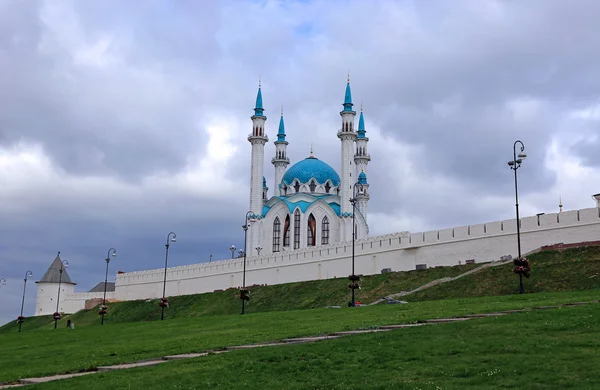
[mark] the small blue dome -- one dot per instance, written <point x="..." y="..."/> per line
<point x="264" y="182"/>
<point x="311" y="168"/>
<point x="362" y="178"/>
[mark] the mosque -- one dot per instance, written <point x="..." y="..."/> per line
<point x="312" y="204"/>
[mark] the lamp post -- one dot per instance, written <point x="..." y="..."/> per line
<point x="514" y="164"/>
<point x="244" y="293"/>
<point x="163" y="302"/>
<point x="113" y="252"/>
<point x="64" y="264"/>
<point x="20" y="320"/>
<point x="232" y="249"/>
<point x="353" y="278"/>
<point x="258" y="249"/>
<point x="2" y="282"/>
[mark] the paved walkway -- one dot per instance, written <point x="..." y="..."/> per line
<point x="290" y="341"/>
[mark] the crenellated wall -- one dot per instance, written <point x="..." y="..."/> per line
<point x="398" y="251"/>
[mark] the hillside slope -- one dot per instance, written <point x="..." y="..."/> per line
<point x="567" y="270"/>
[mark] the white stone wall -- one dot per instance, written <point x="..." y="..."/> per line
<point x="398" y="251"/>
<point x="47" y="294"/>
<point x="70" y="301"/>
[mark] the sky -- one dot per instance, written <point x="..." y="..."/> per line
<point x="121" y="123"/>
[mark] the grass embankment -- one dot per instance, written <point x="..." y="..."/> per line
<point x="48" y="351"/>
<point x="557" y="349"/>
<point x="568" y="270"/>
<point x="290" y="296"/>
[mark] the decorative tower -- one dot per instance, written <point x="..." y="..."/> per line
<point x="257" y="139"/>
<point x="347" y="135"/>
<point x="361" y="157"/>
<point x="362" y="195"/>
<point x="281" y="160"/>
<point x="47" y="289"/>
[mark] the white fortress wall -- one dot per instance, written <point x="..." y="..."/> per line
<point x="70" y="301"/>
<point x="398" y="251"/>
<point x="75" y="302"/>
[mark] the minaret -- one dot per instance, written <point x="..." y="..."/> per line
<point x="347" y="135"/>
<point x="362" y="195"/>
<point x="281" y="160"/>
<point x="560" y="205"/>
<point x="361" y="157"/>
<point x="265" y="191"/>
<point x="257" y="139"/>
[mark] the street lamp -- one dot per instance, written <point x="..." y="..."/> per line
<point x="258" y="249"/>
<point x="353" y="285"/>
<point x="514" y="165"/>
<point x="163" y="301"/>
<point x="2" y="282"/>
<point x="20" y="320"/>
<point x="244" y="294"/>
<point x="64" y="264"/>
<point x="103" y="309"/>
<point x="232" y="249"/>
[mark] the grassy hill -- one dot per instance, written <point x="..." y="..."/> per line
<point x="568" y="270"/>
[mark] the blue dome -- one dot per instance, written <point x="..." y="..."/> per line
<point x="311" y="168"/>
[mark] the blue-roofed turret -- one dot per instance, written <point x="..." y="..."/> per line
<point x="361" y="125"/>
<point x="348" y="97"/>
<point x="281" y="160"/>
<point x="258" y="109"/>
<point x="264" y="182"/>
<point x="362" y="178"/>
<point x="281" y="132"/>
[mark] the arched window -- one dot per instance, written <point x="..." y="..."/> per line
<point x="325" y="231"/>
<point x="311" y="237"/>
<point x="276" y="234"/>
<point x="327" y="187"/>
<point x="286" y="231"/>
<point x="312" y="186"/>
<point x="297" y="186"/>
<point x="297" y="229"/>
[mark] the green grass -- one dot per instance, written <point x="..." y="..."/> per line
<point x="48" y="351"/>
<point x="290" y="296"/>
<point x="569" y="270"/>
<point x="551" y="349"/>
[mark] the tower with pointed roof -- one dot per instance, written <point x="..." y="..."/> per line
<point x="281" y="160"/>
<point x="47" y="288"/>
<point x="362" y="196"/>
<point x="347" y="135"/>
<point x="361" y="155"/>
<point x="257" y="138"/>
